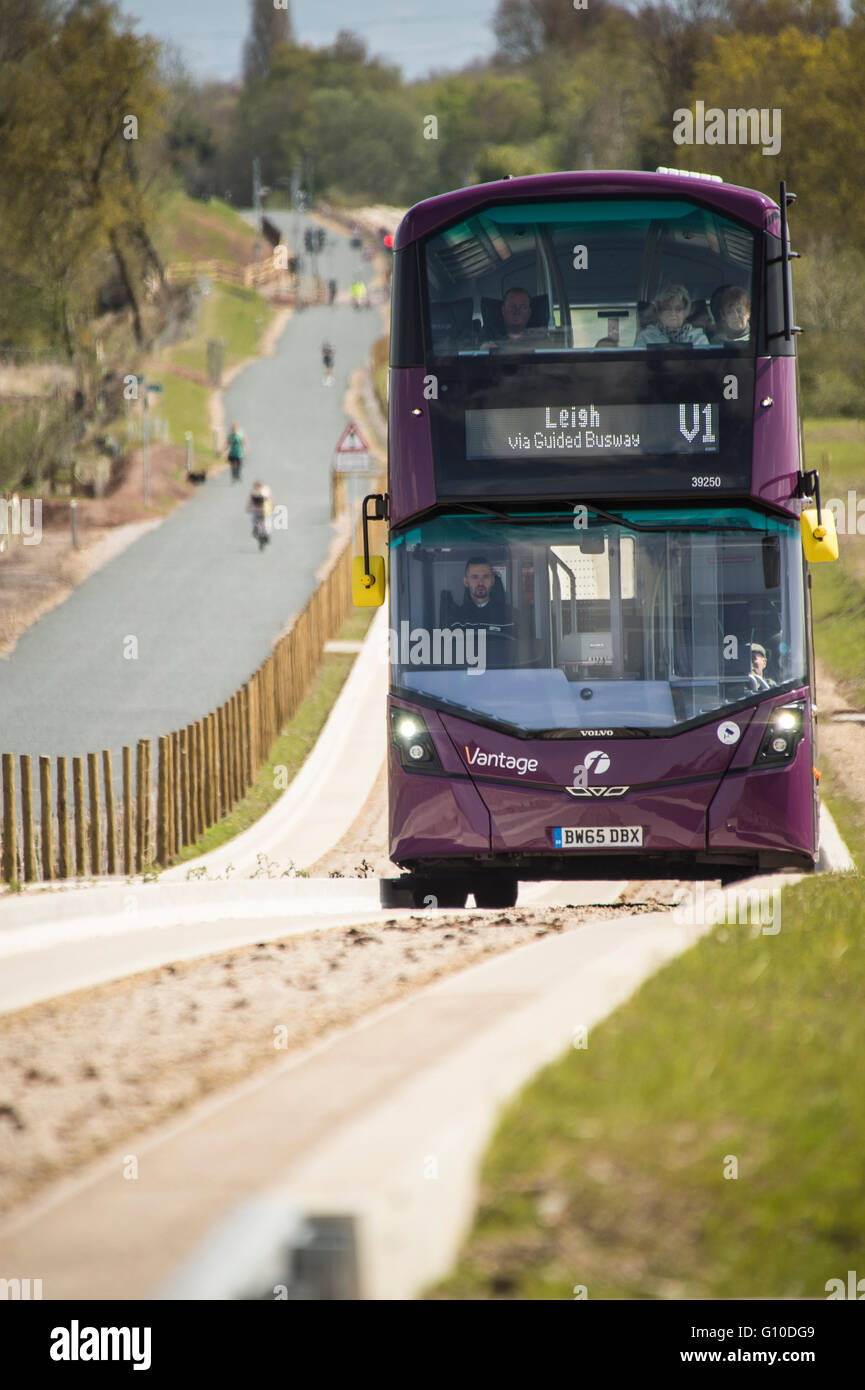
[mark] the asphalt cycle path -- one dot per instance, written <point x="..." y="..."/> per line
<point x="200" y="600"/>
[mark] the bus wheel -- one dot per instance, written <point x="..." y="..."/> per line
<point x="396" y="892"/>
<point x="440" y="892"/>
<point x="409" y="891"/>
<point x="500" y="891"/>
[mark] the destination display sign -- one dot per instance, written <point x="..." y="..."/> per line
<point x="653" y="427"/>
<point x="587" y="431"/>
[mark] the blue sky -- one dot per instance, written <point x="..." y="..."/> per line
<point x="414" y="34"/>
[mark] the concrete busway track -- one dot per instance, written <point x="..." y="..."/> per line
<point x="350" y="1124"/>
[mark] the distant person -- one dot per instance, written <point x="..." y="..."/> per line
<point x="331" y="291"/>
<point x="759" y="661"/>
<point x="236" y="449"/>
<point x="327" y="358"/>
<point x="260" y="505"/>
<point x="359" y="294"/>
<point x="733" y="316"/>
<point x="672" y="305"/>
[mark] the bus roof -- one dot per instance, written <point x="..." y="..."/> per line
<point x="745" y="203"/>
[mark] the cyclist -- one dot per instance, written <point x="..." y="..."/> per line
<point x="260" y="505"/>
<point x="235" y="450"/>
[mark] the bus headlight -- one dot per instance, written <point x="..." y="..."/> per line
<point x="413" y="742"/>
<point x="785" y="729"/>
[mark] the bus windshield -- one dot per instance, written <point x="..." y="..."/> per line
<point x="592" y="275"/>
<point x="547" y="624"/>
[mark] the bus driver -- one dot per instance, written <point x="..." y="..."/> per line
<point x="484" y="603"/>
<point x="757" y="678"/>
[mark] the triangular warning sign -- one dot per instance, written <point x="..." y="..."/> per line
<point x="351" y="441"/>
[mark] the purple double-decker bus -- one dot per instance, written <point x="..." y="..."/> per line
<point x="600" y="635"/>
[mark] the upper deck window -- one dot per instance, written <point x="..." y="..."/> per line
<point x="591" y="276"/>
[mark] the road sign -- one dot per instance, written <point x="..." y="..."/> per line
<point x="351" y="441"/>
<point x="352" y="451"/>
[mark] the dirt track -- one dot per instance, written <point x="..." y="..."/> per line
<point x="89" y="1071"/>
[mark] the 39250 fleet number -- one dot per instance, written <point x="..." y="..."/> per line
<point x="706" y="482"/>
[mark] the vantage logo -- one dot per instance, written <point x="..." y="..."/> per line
<point x="519" y="765"/>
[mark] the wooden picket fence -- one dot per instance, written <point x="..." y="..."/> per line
<point x="168" y="801"/>
<point x="249" y="275"/>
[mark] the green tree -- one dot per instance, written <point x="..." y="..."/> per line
<point x="771" y="16"/>
<point x="270" y="24"/>
<point x="68" y="161"/>
<point x="526" y="28"/>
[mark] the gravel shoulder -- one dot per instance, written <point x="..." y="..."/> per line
<point x="841" y="744"/>
<point x="92" y="1070"/>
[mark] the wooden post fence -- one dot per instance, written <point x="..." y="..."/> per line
<point x="110" y="821"/>
<point x="10" y="821"/>
<point x="162" y="802"/>
<point x="185" y="785"/>
<point x="203" y="770"/>
<point x="27" y="839"/>
<point x="129" y="838"/>
<point x="139" y="807"/>
<point x="46" y="818"/>
<point x="148" y="804"/>
<point x="80" y="816"/>
<point x="95" y="815"/>
<point x="64" y="859"/>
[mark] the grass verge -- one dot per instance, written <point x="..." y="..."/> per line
<point x="837" y="448"/>
<point x="239" y="317"/>
<point x="293" y="746"/>
<point x="236" y="315"/>
<point x="190" y="230"/>
<point x="185" y="406"/>
<point x="195" y="231"/>
<point x="848" y="814"/>
<point x="608" y="1171"/>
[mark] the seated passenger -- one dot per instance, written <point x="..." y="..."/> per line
<point x="733" y="316"/>
<point x="484" y="603"/>
<point x="672" y="305"/>
<point x="607" y="342"/>
<point x="516" y="312"/>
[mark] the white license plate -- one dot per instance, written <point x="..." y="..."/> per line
<point x="596" y="836"/>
